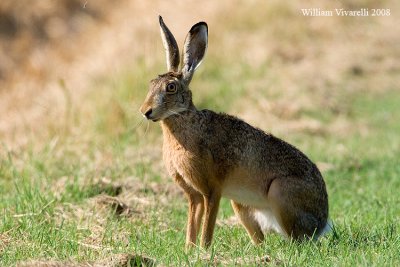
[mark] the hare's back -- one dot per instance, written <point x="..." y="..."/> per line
<point x="237" y="142"/>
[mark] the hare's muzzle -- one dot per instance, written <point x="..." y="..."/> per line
<point x="146" y="112"/>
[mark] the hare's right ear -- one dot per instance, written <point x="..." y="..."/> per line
<point x="170" y="45"/>
<point x="194" y="49"/>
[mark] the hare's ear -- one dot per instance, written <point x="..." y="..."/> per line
<point x="170" y="45"/>
<point x="194" y="49"/>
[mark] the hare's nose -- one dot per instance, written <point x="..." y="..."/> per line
<point x="148" y="113"/>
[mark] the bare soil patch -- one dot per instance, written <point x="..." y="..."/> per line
<point x="116" y="260"/>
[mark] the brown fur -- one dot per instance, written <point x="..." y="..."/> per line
<point x="213" y="155"/>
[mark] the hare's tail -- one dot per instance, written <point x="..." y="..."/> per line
<point x="326" y="230"/>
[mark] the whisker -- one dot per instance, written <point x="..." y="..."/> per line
<point x="134" y="128"/>
<point x="147" y="128"/>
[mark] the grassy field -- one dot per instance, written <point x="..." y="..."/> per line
<point x="54" y="203"/>
<point x="91" y="187"/>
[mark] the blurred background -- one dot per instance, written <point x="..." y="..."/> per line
<point x="67" y="64"/>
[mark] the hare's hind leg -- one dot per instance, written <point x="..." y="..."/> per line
<point x="296" y="207"/>
<point x="246" y="217"/>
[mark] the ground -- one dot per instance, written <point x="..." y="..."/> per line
<point x="81" y="177"/>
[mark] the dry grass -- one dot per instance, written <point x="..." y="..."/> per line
<point x="116" y="260"/>
<point x="287" y="69"/>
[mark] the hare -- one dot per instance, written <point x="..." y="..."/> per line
<point x="271" y="184"/>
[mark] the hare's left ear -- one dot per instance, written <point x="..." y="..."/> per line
<point x="194" y="49"/>
<point x="170" y="45"/>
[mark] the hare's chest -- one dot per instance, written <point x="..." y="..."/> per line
<point x="188" y="164"/>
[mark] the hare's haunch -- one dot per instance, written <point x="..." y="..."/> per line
<point x="271" y="184"/>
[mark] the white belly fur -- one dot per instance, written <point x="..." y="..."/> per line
<point x="268" y="221"/>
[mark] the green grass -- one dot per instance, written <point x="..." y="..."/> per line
<point x="48" y="192"/>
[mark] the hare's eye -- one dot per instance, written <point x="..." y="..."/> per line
<point x="171" y="88"/>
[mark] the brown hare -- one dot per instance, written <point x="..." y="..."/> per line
<point x="271" y="184"/>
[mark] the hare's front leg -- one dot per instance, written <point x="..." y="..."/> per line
<point x="211" y="202"/>
<point x="195" y="211"/>
<point x="195" y="214"/>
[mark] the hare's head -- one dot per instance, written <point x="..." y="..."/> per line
<point x="169" y="93"/>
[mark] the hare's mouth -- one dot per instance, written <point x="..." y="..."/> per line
<point x="154" y="118"/>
